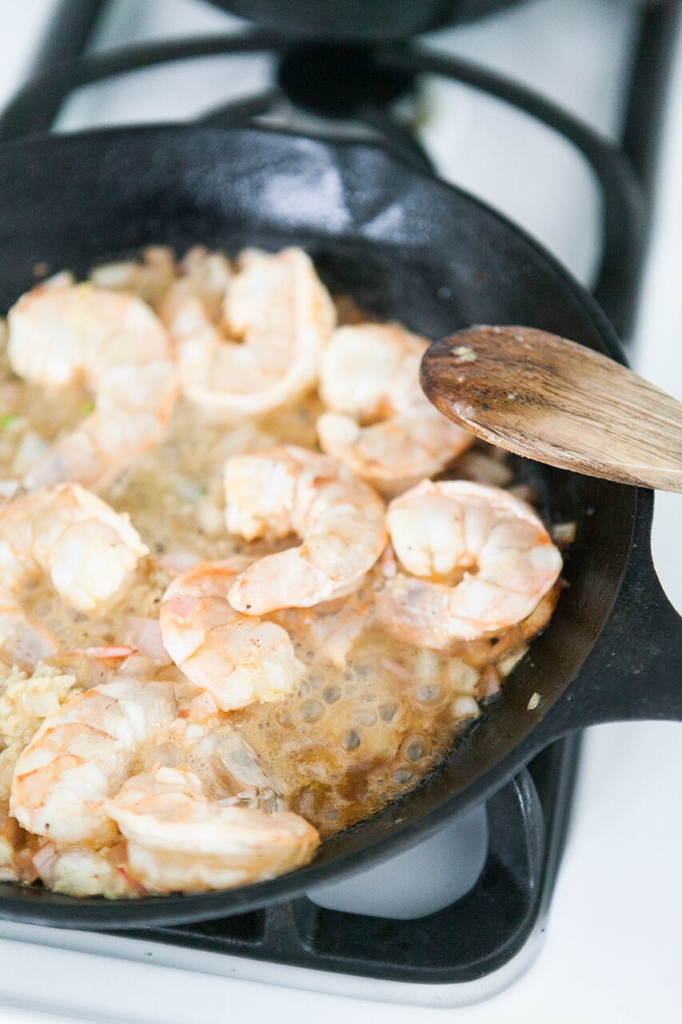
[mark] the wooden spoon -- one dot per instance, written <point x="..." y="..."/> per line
<point x="557" y="402"/>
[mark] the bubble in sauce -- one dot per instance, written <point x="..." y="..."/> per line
<point x="387" y="712"/>
<point x="351" y="740"/>
<point x="311" y="710"/>
<point x="416" y="748"/>
<point x="429" y="693"/>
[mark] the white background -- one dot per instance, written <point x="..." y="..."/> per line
<point x="613" y="947"/>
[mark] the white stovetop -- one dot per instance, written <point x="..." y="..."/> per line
<point x="612" y="948"/>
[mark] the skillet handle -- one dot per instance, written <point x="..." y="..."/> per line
<point x="634" y="670"/>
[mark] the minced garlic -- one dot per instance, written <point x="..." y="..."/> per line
<point x="25" y="701"/>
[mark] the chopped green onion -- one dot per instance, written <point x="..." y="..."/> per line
<point x="87" y="408"/>
<point x="8" y="419"/>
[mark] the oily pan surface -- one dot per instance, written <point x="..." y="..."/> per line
<point x="402" y="246"/>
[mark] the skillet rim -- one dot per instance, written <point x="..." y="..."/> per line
<point x="42" y="906"/>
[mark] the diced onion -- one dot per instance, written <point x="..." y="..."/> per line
<point x="45" y="862"/>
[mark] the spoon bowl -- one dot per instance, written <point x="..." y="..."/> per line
<point x="552" y="400"/>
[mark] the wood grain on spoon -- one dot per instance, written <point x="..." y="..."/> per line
<point x="557" y="402"/>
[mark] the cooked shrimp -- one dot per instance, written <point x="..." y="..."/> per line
<point x="381" y="424"/>
<point x="179" y="841"/>
<point x="83" y="871"/>
<point x="80" y="756"/>
<point x="228" y="765"/>
<point x="292" y="490"/>
<point x="331" y="629"/>
<point x="71" y="535"/>
<point x="277" y="315"/>
<point x="149" y="278"/>
<point x="23" y="640"/>
<point x="205" y="276"/>
<point x="118" y="347"/>
<point x="480" y="558"/>
<point x="394" y="453"/>
<point x="371" y="371"/>
<point x="237" y="658"/>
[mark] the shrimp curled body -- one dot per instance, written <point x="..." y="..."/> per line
<point x="179" y="841"/>
<point x="80" y="756"/>
<point x="287" y="490"/>
<point x="494" y="543"/>
<point x="380" y="423"/>
<point x="276" y="316"/>
<point x="114" y="344"/>
<point x="71" y="535"/>
<point x="238" y="659"/>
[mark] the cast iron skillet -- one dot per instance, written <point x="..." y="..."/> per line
<point x="410" y="248"/>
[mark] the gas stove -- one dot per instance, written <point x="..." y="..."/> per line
<point x="550" y="112"/>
